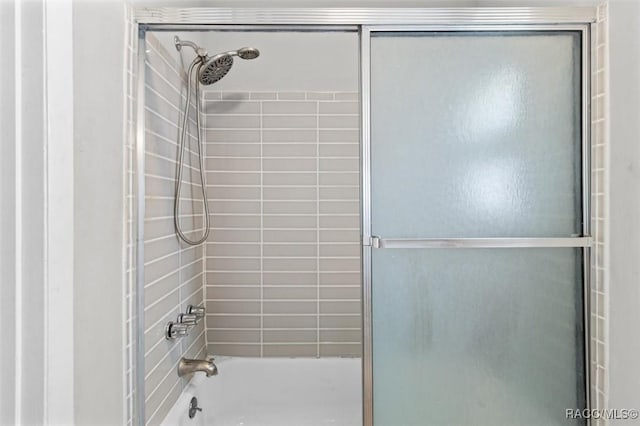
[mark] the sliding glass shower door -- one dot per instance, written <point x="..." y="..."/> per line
<point x="475" y="226"/>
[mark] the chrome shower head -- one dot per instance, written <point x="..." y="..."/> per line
<point x="216" y="67"/>
<point x="248" y="53"/>
<point x="213" y="69"/>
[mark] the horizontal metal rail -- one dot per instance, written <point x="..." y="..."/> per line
<point x="439" y="243"/>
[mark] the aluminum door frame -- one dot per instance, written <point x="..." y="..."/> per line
<point x="371" y="242"/>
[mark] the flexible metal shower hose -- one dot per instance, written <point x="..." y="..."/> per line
<point x="182" y="147"/>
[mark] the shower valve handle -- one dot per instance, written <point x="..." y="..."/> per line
<point x="188" y="319"/>
<point x="198" y="311"/>
<point x="175" y="330"/>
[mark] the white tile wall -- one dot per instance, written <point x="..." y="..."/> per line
<point x="283" y="266"/>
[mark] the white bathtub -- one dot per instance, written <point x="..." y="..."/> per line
<point x="274" y="392"/>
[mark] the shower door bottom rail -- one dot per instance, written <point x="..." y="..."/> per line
<point x="420" y="243"/>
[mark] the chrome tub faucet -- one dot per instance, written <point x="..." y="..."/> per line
<point x="188" y="366"/>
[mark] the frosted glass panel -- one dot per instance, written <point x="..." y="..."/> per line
<point x="475" y="134"/>
<point x="477" y="336"/>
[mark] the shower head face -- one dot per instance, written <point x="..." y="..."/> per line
<point x="248" y="53"/>
<point x="213" y="69"/>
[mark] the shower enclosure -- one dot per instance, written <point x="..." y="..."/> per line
<point x="415" y="187"/>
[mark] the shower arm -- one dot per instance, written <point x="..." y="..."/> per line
<point x="180" y="43"/>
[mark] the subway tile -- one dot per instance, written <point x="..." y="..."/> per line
<point x="242" y="249"/>
<point x="338" y="321"/>
<point x="338" y="250"/>
<point x="162" y="307"/>
<point x="232" y="307"/>
<point x="290" y="207"/>
<point x="340" y="293"/>
<point x="289" y="221"/>
<point x="233" y="121"/>
<point x="339" y="207"/>
<point x="350" y="178"/>
<point x="160" y="248"/>
<point x="233" y="164"/>
<point x="299" y="278"/>
<point x="290" y="178"/>
<point x="346" y="96"/>
<point x="288" y="250"/>
<point x="156" y="227"/>
<point x="231" y="193"/>
<point x="234" y="221"/>
<point x="235" y="236"/>
<point x="235" y="95"/>
<point x="338" y="265"/>
<point x="339" y="108"/>
<point x="320" y="96"/>
<point x="339" y="121"/>
<point x="289" y="135"/>
<point x="289" y="150"/>
<point x="234" y="350"/>
<point x="210" y="95"/>
<point x="231" y="107"/>
<point x="289" y="336"/>
<point x="291" y="350"/>
<point x="163" y="367"/>
<point x="309" y="293"/>
<point x="289" y="321"/>
<point x="289" y="122"/>
<point x="238" y="207"/>
<point x="231" y="135"/>
<point x="264" y="95"/>
<point x="230" y="278"/>
<point x="232" y="292"/>
<point x="340" y="278"/>
<point x="158" y="270"/>
<point x="339" y="307"/>
<point x="169" y="389"/>
<point x="340" y="221"/>
<point x="235" y="321"/>
<point x="339" y="164"/>
<point x="216" y="178"/>
<point x="233" y="150"/>
<point x="339" y="150"/>
<point x="339" y="135"/>
<point x="271" y="307"/>
<point x="289" y="193"/>
<point x="233" y="336"/>
<point x="233" y="264"/>
<point x="289" y="164"/>
<point x="234" y="193"/>
<point x="291" y="95"/>
<point x="289" y="265"/>
<point x="340" y="335"/>
<point x="161" y="288"/>
<point x="345" y="193"/>
<point x="289" y="236"/>
<point x="286" y="107"/>
<point x="329" y="350"/>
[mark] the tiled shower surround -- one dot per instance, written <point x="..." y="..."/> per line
<point x="283" y="265"/>
<point x="174" y="271"/>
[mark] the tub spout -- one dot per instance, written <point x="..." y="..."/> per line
<point x="188" y="366"/>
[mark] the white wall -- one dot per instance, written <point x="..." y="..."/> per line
<point x="98" y="49"/>
<point x="7" y="221"/>
<point x="624" y="309"/>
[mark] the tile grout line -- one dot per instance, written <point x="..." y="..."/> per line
<point x="317" y="227"/>
<point x="261" y="235"/>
